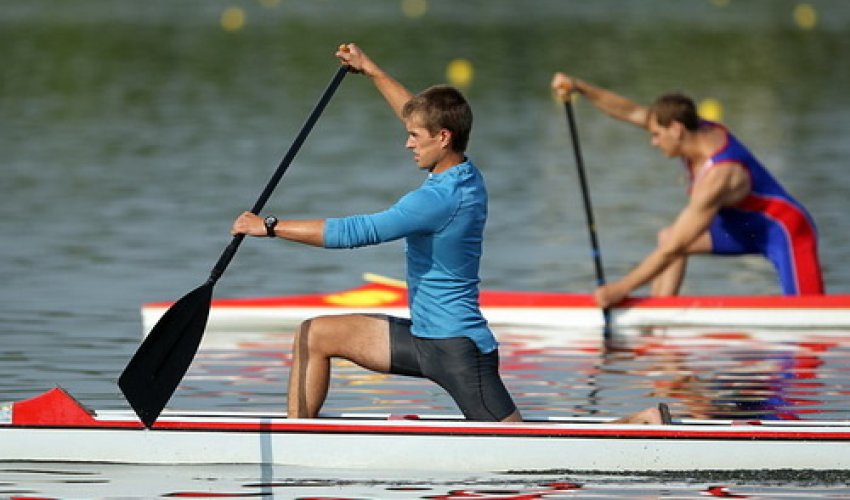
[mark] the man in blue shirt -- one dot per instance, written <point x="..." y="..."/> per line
<point x="447" y="339"/>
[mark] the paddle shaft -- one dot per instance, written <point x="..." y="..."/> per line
<point x="230" y="251"/>
<point x="159" y="364"/>
<point x="588" y="210"/>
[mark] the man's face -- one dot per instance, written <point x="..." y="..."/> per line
<point x="668" y="140"/>
<point x="427" y="149"/>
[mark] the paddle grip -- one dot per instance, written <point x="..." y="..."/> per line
<point x="230" y="250"/>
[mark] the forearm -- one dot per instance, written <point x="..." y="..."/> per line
<point x="612" y="293"/>
<point x="393" y="91"/>
<point x="613" y="104"/>
<point x="653" y="265"/>
<point x="309" y="232"/>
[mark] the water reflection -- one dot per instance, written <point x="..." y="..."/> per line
<point x="702" y="374"/>
<point x="714" y="377"/>
<point x="25" y="480"/>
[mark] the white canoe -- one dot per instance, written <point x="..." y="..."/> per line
<point x="54" y="427"/>
<point x="533" y="309"/>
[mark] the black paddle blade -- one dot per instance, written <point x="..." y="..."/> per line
<point x="152" y="376"/>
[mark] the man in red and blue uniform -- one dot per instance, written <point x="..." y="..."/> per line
<point x="768" y="221"/>
<point x="735" y="205"/>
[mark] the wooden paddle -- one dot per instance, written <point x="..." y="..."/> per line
<point x="588" y="211"/>
<point x="152" y="375"/>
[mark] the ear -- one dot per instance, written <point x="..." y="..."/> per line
<point x="445" y="137"/>
<point x="678" y="130"/>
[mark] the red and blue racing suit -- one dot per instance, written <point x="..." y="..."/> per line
<point x="768" y="221"/>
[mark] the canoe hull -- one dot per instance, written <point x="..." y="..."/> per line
<point x="369" y="450"/>
<point x="55" y="428"/>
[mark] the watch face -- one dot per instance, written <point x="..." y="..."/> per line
<point x="271" y="222"/>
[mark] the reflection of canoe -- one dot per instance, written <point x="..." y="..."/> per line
<point x="54" y="427"/>
<point x="549" y="309"/>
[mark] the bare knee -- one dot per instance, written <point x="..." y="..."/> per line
<point x="309" y="338"/>
<point x="325" y="336"/>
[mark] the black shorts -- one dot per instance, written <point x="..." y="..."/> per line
<point x="455" y="364"/>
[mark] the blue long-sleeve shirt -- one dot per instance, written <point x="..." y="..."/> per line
<point x="443" y="224"/>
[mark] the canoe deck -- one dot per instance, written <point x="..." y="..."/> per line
<point x="55" y="427"/>
<point x="534" y="308"/>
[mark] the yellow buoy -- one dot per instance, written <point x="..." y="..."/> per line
<point x="459" y="72"/>
<point x="805" y="16"/>
<point x="711" y="109"/>
<point x="414" y="8"/>
<point x="233" y="19"/>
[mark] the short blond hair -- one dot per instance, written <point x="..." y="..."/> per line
<point x="442" y="107"/>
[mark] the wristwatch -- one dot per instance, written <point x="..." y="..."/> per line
<point x="270" y="222"/>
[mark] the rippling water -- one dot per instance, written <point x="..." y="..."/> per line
<point x="714" y="374"/>
<point x="133" y="133"/>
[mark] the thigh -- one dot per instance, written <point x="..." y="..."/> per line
<point x="360" y="338"/>
<point x="469" y="376"/>
<point x="404" y="348"/>
<point x="730" y="238"/>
